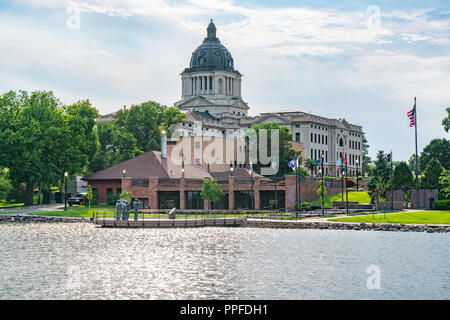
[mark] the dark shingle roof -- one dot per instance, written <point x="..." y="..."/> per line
<point x="143" y="166"/>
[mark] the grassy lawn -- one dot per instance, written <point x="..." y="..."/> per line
<point x="422" y="217"/>
<point x="361" y="197"/>
<point x="6" y="204"/>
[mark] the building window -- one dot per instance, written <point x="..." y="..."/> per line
<point x="311" y="137"/>
<point x="341" y="142"/>
<point x="197" y="161"/>
<point x="297" y="137"/>
<point x="168" y="199"/>
<point x="193" y="200"/>
<point x="297" y="126"/>
<point x="197" y="145"/>
<point x="315" y="137"/>
<point x="326" y="139"/>
<point x="222" y="203"/>
<point x="243" y="199"/>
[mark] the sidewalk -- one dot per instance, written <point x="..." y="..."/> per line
<point x="23" y="210"/>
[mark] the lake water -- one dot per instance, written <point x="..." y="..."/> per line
<point x="80" y="261"/>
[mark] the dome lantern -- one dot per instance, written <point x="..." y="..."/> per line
<point x="211" y="31"/>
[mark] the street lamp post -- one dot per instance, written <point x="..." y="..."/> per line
<point x="65" y="190"/>
<point x="322" y="170"/>
<point x="357" y="175"/>
<point x="342" y="185"/>
<point x="346" y="188"/>
<point x="251" y="182"/>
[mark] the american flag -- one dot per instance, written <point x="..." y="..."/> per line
<point x="412" y="116"/>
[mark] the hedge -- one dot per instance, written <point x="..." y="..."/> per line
<point x="442" y="205"/>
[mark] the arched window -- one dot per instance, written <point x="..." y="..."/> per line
<point x="341" y="142"/>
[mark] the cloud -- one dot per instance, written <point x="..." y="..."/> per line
<point x="321" y="60"/>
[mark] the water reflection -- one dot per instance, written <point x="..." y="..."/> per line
<point x="80" y="261"/>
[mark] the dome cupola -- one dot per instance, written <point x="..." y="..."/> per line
<point x="211" y="54"/>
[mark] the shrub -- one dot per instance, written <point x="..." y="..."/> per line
<point x="111" y="199"/>
<point x="350" y="183"/>
<point x="442" y="205"/>
<point x="95" y="197"/>
<point x="305" y="206"/>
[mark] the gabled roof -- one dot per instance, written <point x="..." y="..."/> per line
<point x="150" y="164"/>
<point x="143" y="166"/>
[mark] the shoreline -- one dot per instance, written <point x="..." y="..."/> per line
<point x="245" y="223"/>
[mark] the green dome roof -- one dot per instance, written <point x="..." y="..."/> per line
<point x="211" y="55"/>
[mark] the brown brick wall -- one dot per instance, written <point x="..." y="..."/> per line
<point x="308" y="189"/>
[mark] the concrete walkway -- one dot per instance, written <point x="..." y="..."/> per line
<point x="23" y="210"/>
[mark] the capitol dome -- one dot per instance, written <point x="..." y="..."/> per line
<point x="211" y="54"/>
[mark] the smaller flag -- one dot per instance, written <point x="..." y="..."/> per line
<point x="318" y="161"/>
<point x="388" y="157"/>
<point x="344" y="160"/>
<point x="412" y="116"/>
<point x="339" y="162"/>
<point x="291" y="163"/>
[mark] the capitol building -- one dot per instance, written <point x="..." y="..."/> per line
<point x="211" y="98"/>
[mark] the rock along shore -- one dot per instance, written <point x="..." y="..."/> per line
<point x="261" y="223"/>
<point x="346" y="226"/>
<point x="36" y="219"/>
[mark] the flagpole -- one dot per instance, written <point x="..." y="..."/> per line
<point x="417" y="157"/>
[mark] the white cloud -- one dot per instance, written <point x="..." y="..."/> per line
<point x="320" y="60"/>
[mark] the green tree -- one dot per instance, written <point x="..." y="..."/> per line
<point x="125" y="195"/>
<point x="444" y="184"/>
<point x="431" y="174"/>
<point x="380" y="170"/>
<point x="286" y="152"/>
<point x="144" y="122"/>
<point x="89" y="195"/>
<point x="311" y="165"/>
<point x="446" y="120"/>
<point x="40" y="138"/>
<point x="412" y="163"/>
<point x="402" y="176"/>
<point x="5" y="184"/>
<point x="301" y="172"/>
<point x="115" y="145"/>
<point x="211" y="191"/>
<point x="319" y="190"/>
<point x="381" y="186"/>
<point x="438" y="149"/>
<point x="366" y="160"/>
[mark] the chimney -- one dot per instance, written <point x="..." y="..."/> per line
<point x="163" y="144"/>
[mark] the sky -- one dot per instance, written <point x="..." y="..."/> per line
<point x="364" y="61"/>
